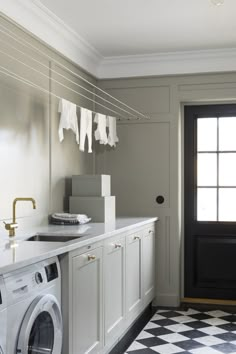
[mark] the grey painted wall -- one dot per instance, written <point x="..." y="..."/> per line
<point x="33" y="163"/>
<point x="149" y="161"/>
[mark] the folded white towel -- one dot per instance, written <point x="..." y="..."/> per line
<point x="81" y="218"/>
<point x="112" y="137"/>
<point x="68" y="119"/>
<point x="101" y="134"/>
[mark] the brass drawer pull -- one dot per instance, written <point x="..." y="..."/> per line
<point x="91" y="257"/>
<point x="137" y="237"/>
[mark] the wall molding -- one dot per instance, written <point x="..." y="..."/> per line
<point x="44" y="24"/>
<point x="191" y="62"/>
<point x="41" y="22"/>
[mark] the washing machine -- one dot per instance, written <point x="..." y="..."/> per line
<point x="3" y="318"/>
<point x="34" y="321"/>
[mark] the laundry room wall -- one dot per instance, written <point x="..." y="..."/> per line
<point x="148" y="161"/>
<point x="33" y="161"/>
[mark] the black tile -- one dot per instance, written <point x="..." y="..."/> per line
<point x="193" y="334"/>
<point x="197" y="324"/>
<point x="158" y="331"/>
<point x="142" y="351"/>
<point x="228" y="327"/>
<point x="151" y="342"/>
<point x="230" y="318"/>
<point x="228" y="337"/>
<point x="169" y="314"/>
<point x="165" y="322"/>
<point x="189" y="344"/>
<point x="200" y="316"/>
<point x="225" y="347"/>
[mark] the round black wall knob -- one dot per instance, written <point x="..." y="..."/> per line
<point x="160" y="199"/>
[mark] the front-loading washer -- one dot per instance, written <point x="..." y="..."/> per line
<point x="34" y="309"/>
<point x="3" y="318"/>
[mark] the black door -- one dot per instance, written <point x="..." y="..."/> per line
<point x="210" y="201"/>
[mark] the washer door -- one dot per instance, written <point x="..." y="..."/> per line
<point x="41" y="329"/>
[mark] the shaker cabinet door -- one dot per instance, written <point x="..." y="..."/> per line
<point x="87" y="303"/>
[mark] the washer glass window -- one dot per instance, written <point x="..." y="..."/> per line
<point x="41" y="339"/>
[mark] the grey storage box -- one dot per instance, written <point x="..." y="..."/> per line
<point x="91" y="185"/>
<point x="100" y="209"/>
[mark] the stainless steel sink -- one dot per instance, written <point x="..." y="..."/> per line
<point x="52" y="238"/>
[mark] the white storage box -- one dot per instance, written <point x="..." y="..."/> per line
<point x="100" y="209"/>
<point x="91" y="185"/>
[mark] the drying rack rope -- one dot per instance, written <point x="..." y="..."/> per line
<point x="19" y="78"/>
<point x="21" y="41"/>
<point x="62" y="76"/>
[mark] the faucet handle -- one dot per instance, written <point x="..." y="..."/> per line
<point x="11" y="228"/>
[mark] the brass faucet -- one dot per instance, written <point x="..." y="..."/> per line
<point x="12" y="226"/>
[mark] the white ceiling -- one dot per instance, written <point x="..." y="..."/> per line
<point x="137" y="27"/>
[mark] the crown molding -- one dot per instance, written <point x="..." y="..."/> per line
<point x="188" y="62"/>
<point x="36" y="18"/>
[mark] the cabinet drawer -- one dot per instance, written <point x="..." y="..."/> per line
<point x="135" y="237"/>
<point x="88" y="257"/>
<point x="114" y="244"/>
<point x="149" y="231"/>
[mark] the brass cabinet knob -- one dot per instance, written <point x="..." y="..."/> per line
<point x="91" y="257"/>
<point x="118" y="245"/>
<point x="137" y="237"/>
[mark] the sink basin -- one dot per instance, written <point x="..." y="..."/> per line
<point x="52" y="238"/>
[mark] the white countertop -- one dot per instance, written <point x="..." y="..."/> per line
<point x="19" y="253"/>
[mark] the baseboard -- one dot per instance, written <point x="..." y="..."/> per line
<point x="168" y="300"/>
<point x="193" y="300"/>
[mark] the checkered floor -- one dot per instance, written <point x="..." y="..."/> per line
<point x="191" y="331"/>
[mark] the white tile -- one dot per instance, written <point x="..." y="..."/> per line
<point x="233" y="342"/>
<point x="179" y="327"/>
<point x="212" y="330"/>
<point x="189" y="312"/>
<point x="167" y="349"/>
<point x="157" y="317"/>
<point x="205" y="350"/>
<point x="209" y="340"/>
<point x="173" y="337"/>
<point x="183" y="319"/>
<point x="214" y="321"/>
<point x="136" y="346"/>
<point x="217" y="313"/>
<point x="144" y="335"/>
<point x="151" y="325"/>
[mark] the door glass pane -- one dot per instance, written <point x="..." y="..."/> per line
<point x="206" y="204"/>
<point x="227" y="130"/>
<point x="227" y="200"/>
<point x="41" y="338"/>
<point x="207" y="134"/>
<point x="227" y="169"/>
<point x="206" y="169"/>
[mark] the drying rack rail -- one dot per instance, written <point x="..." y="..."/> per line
<point x="98" y="96"/>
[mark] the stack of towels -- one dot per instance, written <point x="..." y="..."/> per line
<point x="69" y="120"/>
<point x="69" y="219"/>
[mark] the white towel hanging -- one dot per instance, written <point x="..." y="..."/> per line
<point x="112" y="137"/>
<point x="68" y="119"/>
<point x="101" y="134"/>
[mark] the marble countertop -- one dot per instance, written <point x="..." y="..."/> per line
<point x="18" y="253"/>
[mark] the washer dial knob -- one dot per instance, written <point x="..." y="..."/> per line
<point x="38" y="278"/>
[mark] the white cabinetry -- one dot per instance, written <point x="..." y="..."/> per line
<point x="114" y="281"/>
<point x="105" y="287"/>
<point x="148" y="257"/>
<point x="87" y="322"/>
<point x="133" y="274"/>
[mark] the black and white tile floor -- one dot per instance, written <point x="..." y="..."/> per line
<point x="191" y="331"/>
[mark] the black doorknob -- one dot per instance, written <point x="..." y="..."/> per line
<point x="160" y="199"/>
